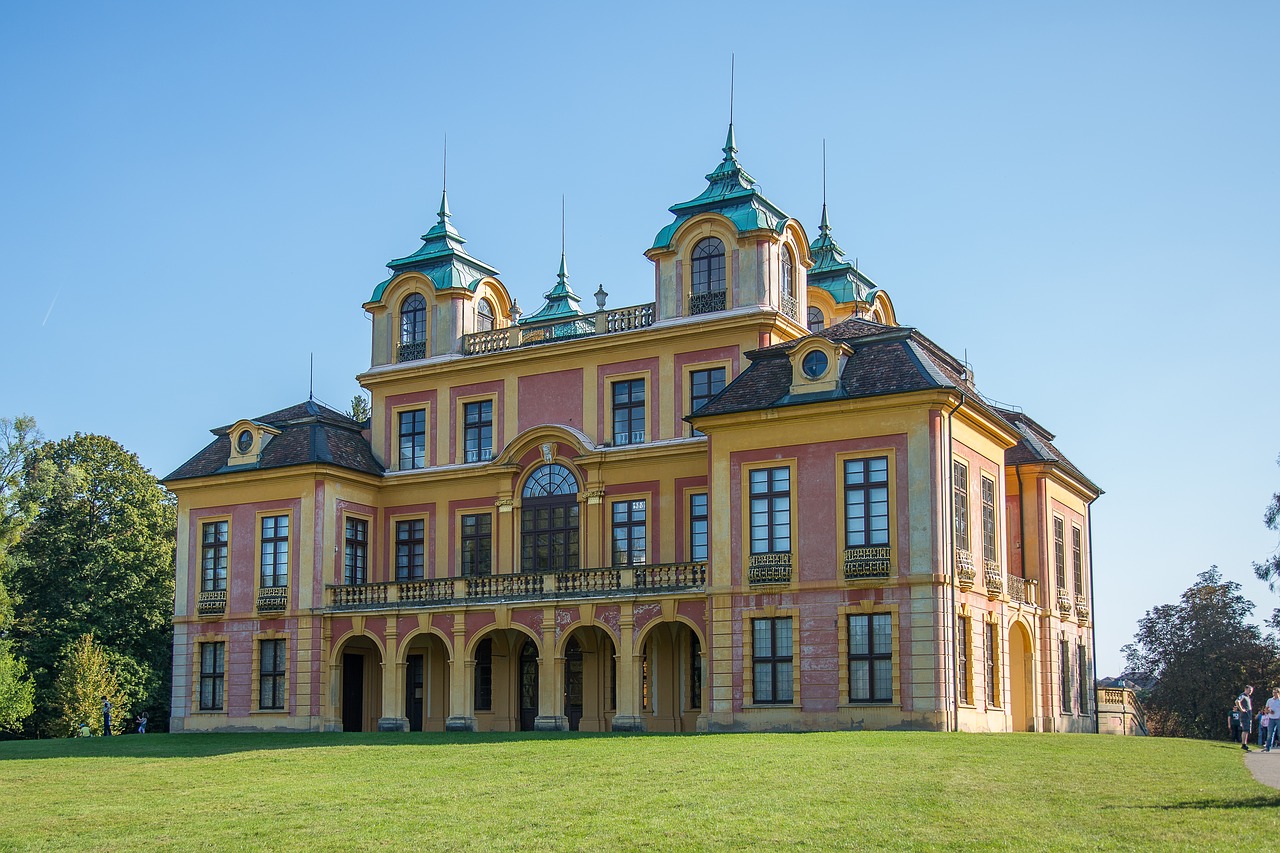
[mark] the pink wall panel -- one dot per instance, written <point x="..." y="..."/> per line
<point x="551" y="398"/>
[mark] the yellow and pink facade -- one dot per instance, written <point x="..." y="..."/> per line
<point x="757" y="502"/>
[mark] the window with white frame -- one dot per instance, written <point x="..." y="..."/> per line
<point x="871" y="657"/>
<point x="413" y="439"/>
<point x="771" y="659"/>
<point x="275" y="550"/>
<point x="770" y="510"/>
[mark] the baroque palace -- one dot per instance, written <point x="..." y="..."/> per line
<point x="755" y="503"/>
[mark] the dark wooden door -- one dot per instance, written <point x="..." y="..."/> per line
<point x="573" y="685"/>
<point x="413" y="693"/>
<point x="353" y="693"/>
<point x="528" y="686"/>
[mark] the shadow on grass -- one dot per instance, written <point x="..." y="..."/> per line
<point x="1265" y="801"/>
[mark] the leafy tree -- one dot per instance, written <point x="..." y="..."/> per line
<point x="19" y="439"/>
<point x="86" y="677"/>
<point x="1269" y="569"/>
<point x="17" y="692"/>
<point x="1202" y="653"/>
<point x="97" y="559"/>
<point x="359" y="410"/>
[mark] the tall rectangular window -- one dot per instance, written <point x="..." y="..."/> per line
<point x="866" y="502"/>
<point x="993" y="664"/>
<point x="988" y="519"/>
<point x="964" y="658"/>
<point x="410" y="550"/>
<point x="1059" y="554"/>
<point x="1083" y="679"/>
<point x="1077" y="559"/>
<point x="1064" y="674"/>
<point x="275" y="550"/>
<point x="413" y="439"/>
<point x="628" y="412"/>
<point x="770" y="510"/>
<point x="703" y="385"/>
<point x="871" y="658"/>
<point x="477" y="433"/>
<point x="484" y="676"/>
<point x="355" y="567"/>
<point x="213" y="667"/>
<point x="960" y="502"/>
<point x="629" y="533"/>
<point x="699" y="528"/>
<point x="213" y="556"/>
<point x="271" y="675"/>
<point x="477" y="544"/>
<point x="771" y="661"/>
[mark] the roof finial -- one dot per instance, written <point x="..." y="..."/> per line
<point x="730" y="144"/>
<point x="564" y="273"/>
<point x="733" y="58"/>
<point x="444" y="188"/>
<point x="824" y="227"/>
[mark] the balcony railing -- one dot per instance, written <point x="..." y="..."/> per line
<point x="773" y="567"/>
<point x="993" y="578"/>
<point x="621" y="439"/>
<point x="866" y="563"/>
<point x="482" y="455"/>
<point x="1064" y="602"/>
<point x="705" y="303"/>
<point x="966" y="574"/>
<point x="212" y="602"/>
<point x="523" y="586"/>
<point x="791" y="307"/>
<point x="273" y="599"/>
<point x="412" y="351"/>
<point x="1021" y="590"/>
<point x="1082" y="607"/>
<point x="583" y="326"/>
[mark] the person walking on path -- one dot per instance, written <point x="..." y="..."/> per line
<point x="1246" y="717"/>
<point x="142" y="723"/>
<point x="106" y="717"/>
<point x="1273" y="712"/>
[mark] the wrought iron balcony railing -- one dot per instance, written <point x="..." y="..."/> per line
<point x="1021" y="590"/>
<point x="522" y="586"/>
<point x="518" y="335"/>
<point x="412" y="351"/>
<point x="966" y="574"/>
<point x="791" y="307"/>
<point x="773" y="567"/>
<point x="993" y="578"/>
<point x="705" y="303"/>
<point x="866" y="563"/>
<point x="1064" y="602"/>
<point x="212" y="602"/>
<point x="273" y="599"/>
<point x="1082" y="607"/>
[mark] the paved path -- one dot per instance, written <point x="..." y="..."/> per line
<point x="1265" y="766"/>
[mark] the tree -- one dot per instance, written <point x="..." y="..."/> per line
<point x="1202" y="653"/>
<point x="359" y="410"/>
<point x="1269" y="569"/>
<point x="19" y="438"/>
<point x="17" y="692"/>
<point x="86" y="677"/>
<point x="97" y="559"/>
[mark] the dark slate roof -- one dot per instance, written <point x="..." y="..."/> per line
<point x="309" y="433"/>
<point x="1036" y="445"/>
<point x="884" y="360"/>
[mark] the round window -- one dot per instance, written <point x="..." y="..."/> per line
<point x="815" y="364"/>
<point x="244" y="441"/>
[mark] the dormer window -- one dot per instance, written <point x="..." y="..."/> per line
<point x="484" y="316"/>
<point x="248" y="438"/>
<point x="816" y="365"/>
<point x="413" y="328"/>
<point x="708" y="283"/>
<point x="816" y="321"/>
<point x="244" y="441"/>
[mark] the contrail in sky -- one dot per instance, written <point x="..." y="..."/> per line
<point x="51" y="304"/>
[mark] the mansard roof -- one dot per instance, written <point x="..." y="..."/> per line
<point x="1036" y="446"/>
<point x="309" y="434"/>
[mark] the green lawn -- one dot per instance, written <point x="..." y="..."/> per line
<point x="603" y="793"/>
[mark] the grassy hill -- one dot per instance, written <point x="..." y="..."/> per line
<point x="583" y="792"/>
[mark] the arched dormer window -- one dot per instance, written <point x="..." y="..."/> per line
<point x="484" y="316"/>
<point x="549" y="520"/>
<point x="708" y="284"/>
<point x="790" y="306"/>
<point x="816" y="321"/>
<point x="413" y="328"/>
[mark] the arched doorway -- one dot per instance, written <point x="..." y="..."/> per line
<point x="590" y="680"/>
<point x="549" y="520"/>
<point x="360" y="684"/>
<point x="671" y="682"/>
<point x="1021" y="670"/>
<point x="504" y="686"/>
<point x="426" y="689"/>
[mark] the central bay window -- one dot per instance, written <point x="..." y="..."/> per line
<point x="1059" y="554"/>
<point x="871" y="657"/>
<point x="771" y="661"/>
<point x="549" y="520"/>
<point x="477" y="545"/>
<point x="355" y="567"/>
<point x="413" y="439"/>
<point x="410" y="550"/>
<point x="960" y="503"/>
<point x="271" y="675"/>
<point x="629" y="533"/>
<point x="698" y="527"/>
<point x="988" y="519"/>
<point x="707" y="277"/>
<point x="213" y="667"/>
<point x="866" y="502"/>
<point x="275" y="550"/>
<point x="771" y="511"/>
<point x="628" y="412"/>
<point x="477" y="434"/>
<point x="213" y="556"/>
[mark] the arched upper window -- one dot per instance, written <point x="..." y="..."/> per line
<point x="707" y="271"/>
<point x="550" y="480"/>
<point x="413" y="319"/>
<point x="484" y="316"/>
<point x="816" y="321"/>
<point x="788" y="279"/>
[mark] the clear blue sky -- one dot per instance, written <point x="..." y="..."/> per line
<point x="1082" y="197"/>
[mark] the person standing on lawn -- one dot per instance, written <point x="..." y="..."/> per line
<point x="1246" y="717"/>
<point x="1273" y="711"/>
<point x="106" y="717"/>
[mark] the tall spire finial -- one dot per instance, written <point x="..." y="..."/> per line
<point x="733" y="59"/>
<point x="444" y="185"/>
<point x="730" y="144"/>
<point x="564" y="272"/>
<point x="444" y="181"/>
<point x="824" y="226"/>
